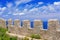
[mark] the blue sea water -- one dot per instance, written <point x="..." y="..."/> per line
<point x="32" y="24"/>
<point x="45" y="24"/>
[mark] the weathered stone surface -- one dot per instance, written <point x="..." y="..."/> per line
<point x="11" y="27"/>
<point x="37" y="26"/>
<point x="58" y="35"/>
<point x="17" y="22"/>
<point x="52" y="33"/>
<point x="3" y="23"/>
<point x="17" y="26"/>
<point x="58" y="31"/>
<point x="52" y="25"/>
<point x="10" y="22"/>
<point x="26" y="25"/>
<point x="38" y="23"/>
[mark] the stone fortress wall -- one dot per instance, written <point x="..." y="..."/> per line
<point x="52" y="33"/>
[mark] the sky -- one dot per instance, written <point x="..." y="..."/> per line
<point x="30" y="9"/>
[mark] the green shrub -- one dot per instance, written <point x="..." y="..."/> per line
<point x="3" y="30"/>
<point x="25" y="38"/>
<point x="4" y="36"/>
<point x="13" y="38"/>
<point x="36" y="36"/>
<point x="0" y="38"/>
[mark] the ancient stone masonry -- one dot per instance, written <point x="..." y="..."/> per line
<point x="38" y="26"/>
<point x="52" y="25"/>
<point x="11" y="27"/>
<point x="17" y="26"/>
<point x="2" y="23"/>
<point x="52" y="33"/>
<point x="25" y="27"/>
<point x="58" y="30"/>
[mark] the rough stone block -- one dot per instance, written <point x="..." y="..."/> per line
<point x="52" y="25"/>
<point x="26" y="25"/>
<point x="17" y="22"/>
<point x="10" y="22"/>
<point x="3" y="23"/>
<point x="37" y="26"/>
<point x="11" y="29"/>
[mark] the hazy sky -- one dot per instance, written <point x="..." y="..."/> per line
<point x="30" y="9"/>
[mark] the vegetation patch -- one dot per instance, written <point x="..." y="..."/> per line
<point x="4" y="36"/>
<point x="25" y="38"/>
<point x="36" y="36"/>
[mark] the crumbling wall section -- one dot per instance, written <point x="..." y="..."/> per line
<point x="52" y="33"/>
<point x="11" y="28"/>
<point x="2" y="23"/>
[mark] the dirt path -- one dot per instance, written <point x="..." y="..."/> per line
<point x="20" y="36"/>
<point x="15" y="35"/>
